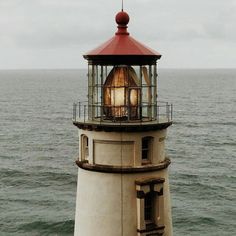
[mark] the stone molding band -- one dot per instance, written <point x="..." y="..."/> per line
<point x="154" y="228"/>
<point x="143" y="127"/>
<point x="123" y="169"/>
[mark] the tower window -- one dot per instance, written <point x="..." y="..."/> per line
<point x="147" y="149"/>
<point x="148" y="207"/>
<point x="84" y="147"/>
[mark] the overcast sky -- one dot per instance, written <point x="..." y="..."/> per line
<point x="56" y="33"/>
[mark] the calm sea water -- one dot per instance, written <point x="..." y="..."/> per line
<point x="39" y="144"/>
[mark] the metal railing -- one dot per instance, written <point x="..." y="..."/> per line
<point x="161" y="112"/>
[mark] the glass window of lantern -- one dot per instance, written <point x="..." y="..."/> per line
<point x="147" y="93"/>
<point x="121" y="94"/>
<point x="95" y="78"/>
<point x="98" y="91"/>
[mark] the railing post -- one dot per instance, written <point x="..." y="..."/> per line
<point x="141" y="112"/>
<point x="167" y="112"/>
<point x="84" y="112"/>
<point x="155" y="110"/>
<point x="129" y="112"/>
<point x="79" y="109"/>
<point x="73" y="112"/>
<point x="101" y="114"/>
<point x="158" y="118"/>
<point x="171" y="111"/>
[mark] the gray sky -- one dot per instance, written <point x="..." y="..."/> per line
<point x="56" y="33"/>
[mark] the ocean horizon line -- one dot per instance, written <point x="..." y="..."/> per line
<point x="160" y="68"/>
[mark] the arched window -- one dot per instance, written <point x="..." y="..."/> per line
<point x="147" y="146"/>
<point x="84" y="147"/>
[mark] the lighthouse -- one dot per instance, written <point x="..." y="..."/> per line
<point x="123" y="184"/>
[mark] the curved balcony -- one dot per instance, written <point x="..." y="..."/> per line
<point x="122" y="118"/>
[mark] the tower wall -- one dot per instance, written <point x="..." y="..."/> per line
<point x="113" y="148"/>
<point x="106" y="203"/>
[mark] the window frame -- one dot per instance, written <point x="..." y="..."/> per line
<point x="84" y="147"/>
<point x="155" y="224"/>
<point x="148" y="148"/>
<point x="149" y="210"/>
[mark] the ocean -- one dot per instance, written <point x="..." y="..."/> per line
<point x="39" y="146"/>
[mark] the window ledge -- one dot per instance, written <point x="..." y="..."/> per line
<point x="153" y="227"/>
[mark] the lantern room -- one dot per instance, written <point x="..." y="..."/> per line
<point x="122" y="81"/>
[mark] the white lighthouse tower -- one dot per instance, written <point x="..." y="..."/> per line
<point x="123" y="186"/>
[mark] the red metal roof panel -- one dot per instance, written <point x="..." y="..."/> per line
<point x="122" y="43"/>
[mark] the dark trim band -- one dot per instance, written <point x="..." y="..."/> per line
<point x="122" y="127"/>
<point x="122" y="169"/>
<point x="153" y="228"/>
<point x="149" y="181"/>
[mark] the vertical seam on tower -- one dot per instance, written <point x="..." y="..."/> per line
<point x="122" y="226"/>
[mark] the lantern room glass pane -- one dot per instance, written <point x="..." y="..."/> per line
<point x="122" y="92"/>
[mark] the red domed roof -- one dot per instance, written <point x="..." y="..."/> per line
<point x="122" y="44"/>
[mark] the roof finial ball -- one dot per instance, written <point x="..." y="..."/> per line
<point x="122" y="18"/>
